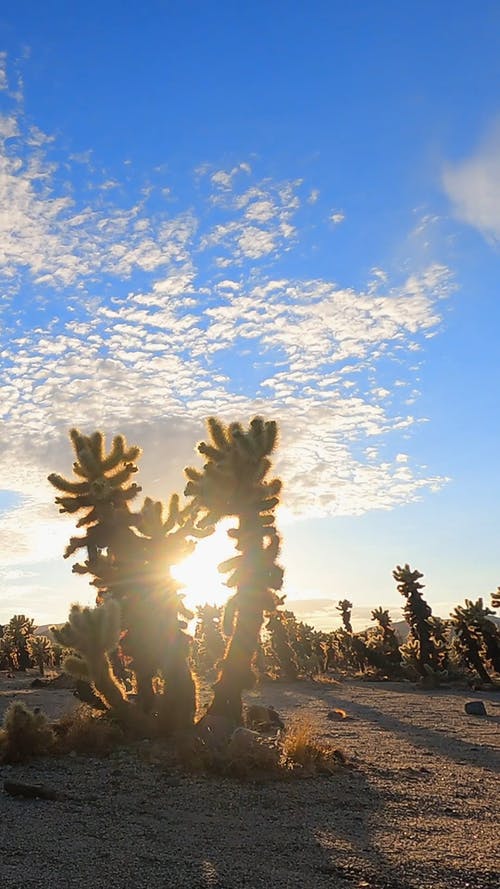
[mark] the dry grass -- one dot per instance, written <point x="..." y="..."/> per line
<point x="302" y="748"/>
<point x="87" y="733"/>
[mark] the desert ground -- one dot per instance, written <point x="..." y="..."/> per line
<point x="420" y="806"/>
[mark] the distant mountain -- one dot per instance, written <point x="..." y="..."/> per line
<point x="44" y="630"/>
<point x="402" y="628"/>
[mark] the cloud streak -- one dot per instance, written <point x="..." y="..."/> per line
<point x="473" y="187"/>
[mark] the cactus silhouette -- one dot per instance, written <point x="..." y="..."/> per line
<point x="421" y="649"/>
<point x="129" y="557"/>
<point x="93" y="633"/>
<point x="233" y="484"/>
<point x="478" y="637"/>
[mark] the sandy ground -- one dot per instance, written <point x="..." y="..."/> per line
<point x="421" y="809"/>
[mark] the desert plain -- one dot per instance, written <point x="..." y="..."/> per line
<point x="418" y="805"/>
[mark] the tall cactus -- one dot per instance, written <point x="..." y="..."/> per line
<point x="233" y="484"/>
<point x="345" y="608"/>
<point x="421" y="645"/>
<point x="129" y="557"/>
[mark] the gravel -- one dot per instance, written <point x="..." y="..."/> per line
<point x="419" y="809"/>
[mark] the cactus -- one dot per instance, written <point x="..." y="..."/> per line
<point x="24" y="733"/>
<point x="103" y="493"/>
<point x="422" y="651"/>
<point x="382" y="648"/>
<point x="93" y="633"/>
<point x="41" y="652"/>
<point x="478" y="637"/>
<point x="209" y="640"/>
<point x="345" y="608"/>
<point x="280" y="645"/>
<point x="15" y="640"/>
<point x="233" y="484"/>
<point x="129" y="557"/>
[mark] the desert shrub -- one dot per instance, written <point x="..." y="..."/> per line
<point x="87" y="733"/>
<point x="301" y="747"/>
<point x="25" y="733"/>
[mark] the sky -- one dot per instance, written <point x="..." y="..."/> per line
<point x="285" y="209"/>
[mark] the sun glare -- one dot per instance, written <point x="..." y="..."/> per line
<point x="202" y="582"/>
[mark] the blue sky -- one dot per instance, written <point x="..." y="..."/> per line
<point x="289" y="209"/>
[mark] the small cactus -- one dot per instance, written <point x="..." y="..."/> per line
<point x="93" y="633"/>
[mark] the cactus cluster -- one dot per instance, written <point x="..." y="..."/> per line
<point x="139" y="625"/>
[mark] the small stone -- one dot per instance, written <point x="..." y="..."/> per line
<point x="337" y="714"/>
<point x="475" y="708"/>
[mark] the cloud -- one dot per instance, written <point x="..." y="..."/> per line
<point x="4" y="85"/>
<point x="122" y="320"/>
<point x="223" y="179"/>
<point x="473" y="187"/>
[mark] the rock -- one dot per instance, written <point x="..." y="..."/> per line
<point x="31" y="791"/>
<point x="61" y="681"/>
<point x="243" y="742"/>
<point x="39" y="683"/>
<point x="214" y="731"/>
<point x="337" y="714"/>
<point x="262" y="719"/>
<point x="475" y="708"/>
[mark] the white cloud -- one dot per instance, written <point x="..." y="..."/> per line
<point x="4" y="85"/>
<point x="128" y="327"/>
<point x="473" y="187"/>
<point x="337" y="217"/>
<point x="223" y="179"/>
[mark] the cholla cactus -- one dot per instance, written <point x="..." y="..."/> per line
<point x="382" y="648"/>
<point x="129" y="557"/>
<point x="94" y="633"/>
<point x="495" y="598"/>
<point x="478" y="637"/>
<point x="17" y="634"/>
<point x="209" y="640"/>
<point x="421" y="650"/>
<point x="103" y="494"/>
<point x="280" y="645"/>
<point x="233" y="483"/>
<point x="24" y="733"/>
<point x="345" y="608"/>
<point x="41" y="652"/>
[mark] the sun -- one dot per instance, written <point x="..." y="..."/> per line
<point x="202" y="582"/>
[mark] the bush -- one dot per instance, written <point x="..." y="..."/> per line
<point x="87" y="733"/>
